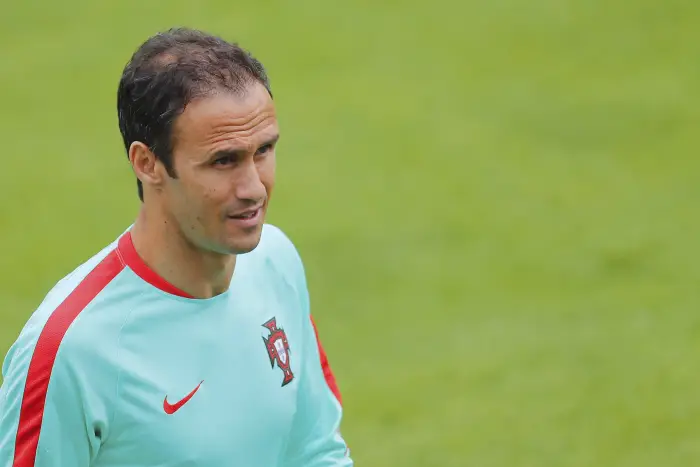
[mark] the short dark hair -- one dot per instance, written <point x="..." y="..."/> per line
<point x="167" y="72"/>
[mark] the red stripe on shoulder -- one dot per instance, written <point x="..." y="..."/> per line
<point x="327" y="372"/>
<point x="44" y="356"/>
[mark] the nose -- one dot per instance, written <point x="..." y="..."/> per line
<point x="248" y="184"/>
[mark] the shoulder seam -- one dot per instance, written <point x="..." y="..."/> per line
<point x="113" y="416"/>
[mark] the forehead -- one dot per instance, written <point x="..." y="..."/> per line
<point x="226" y="119"/>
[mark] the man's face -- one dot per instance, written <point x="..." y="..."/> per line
<point x="224" y="158"/>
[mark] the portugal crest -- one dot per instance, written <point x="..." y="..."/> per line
<point x="278" y="349"/>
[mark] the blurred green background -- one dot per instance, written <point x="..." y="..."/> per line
<point x="496" y="202"/>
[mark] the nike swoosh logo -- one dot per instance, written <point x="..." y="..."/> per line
<point x="172" y="408"/>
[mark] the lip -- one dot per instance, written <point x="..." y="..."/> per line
<point x="249" y="221"/>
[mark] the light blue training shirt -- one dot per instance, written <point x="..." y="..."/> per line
<point x="118" y="368"/>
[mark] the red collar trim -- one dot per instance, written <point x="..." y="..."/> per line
<point x="132" y="259"/>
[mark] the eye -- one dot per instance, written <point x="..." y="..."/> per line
<point x="264" y="149"/>
<point x="224" y="160"/>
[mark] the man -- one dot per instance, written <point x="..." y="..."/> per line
<point x="187" y="341"/>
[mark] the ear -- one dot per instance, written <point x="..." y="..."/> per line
<point x="145" y="165"/>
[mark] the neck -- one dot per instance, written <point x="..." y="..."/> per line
<point x="162" y="246"/>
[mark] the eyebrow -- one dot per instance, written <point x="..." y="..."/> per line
<point x="241" y="152"/>
<point x="271" y="140"/>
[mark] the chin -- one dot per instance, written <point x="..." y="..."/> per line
<point x="244" y="244"/>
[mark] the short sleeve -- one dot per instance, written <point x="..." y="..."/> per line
<point x="48" y="419"/>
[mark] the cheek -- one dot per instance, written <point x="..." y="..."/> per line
<point x="202" y="195"/>
<point x="212" y="186"/>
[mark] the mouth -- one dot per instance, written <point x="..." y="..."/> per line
<point x="247" y="218"/>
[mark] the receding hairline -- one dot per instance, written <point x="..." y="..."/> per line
<point x="212" y="91"/>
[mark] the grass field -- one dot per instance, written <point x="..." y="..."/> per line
<point x="497" y="203"/>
